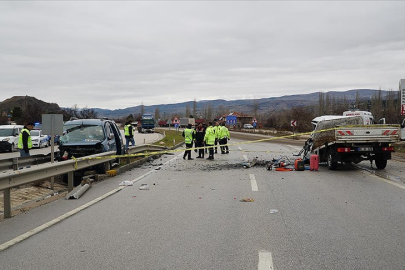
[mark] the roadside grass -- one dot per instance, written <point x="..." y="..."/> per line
<point x="172" y="137"/>
<point x="399" y="147"/>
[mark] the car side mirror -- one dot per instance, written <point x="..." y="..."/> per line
<point x="111" y="136"/>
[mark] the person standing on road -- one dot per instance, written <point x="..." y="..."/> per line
<point x="24" y="141"/>
<point x="209" y="139"/>
<point x="129" y="135"/>
<point x="205" y="129"/>
<point x="223" y="139"/>
<point x="199" y="139"/>
<point x="188" y="134"/>
<point x="217" y="129"/>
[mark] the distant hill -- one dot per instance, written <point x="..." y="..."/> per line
<point x="24" y="101"/>
<point x="244" y="105"/>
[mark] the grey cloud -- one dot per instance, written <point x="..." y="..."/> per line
<point x="119" y="54"/>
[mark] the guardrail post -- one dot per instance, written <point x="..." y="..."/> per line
<point x="15" y="164"/>
<point x="107" y="166"/>
<point x="7" y="203"/>
<point x="70" y="181"/>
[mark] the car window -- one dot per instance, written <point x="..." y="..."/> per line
<point x="34" y="132"/>
<point x="6" y="132"/>
<point x="82" y="133"/>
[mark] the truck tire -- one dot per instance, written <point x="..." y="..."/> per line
<point x="332" y="165"/>
<point x="380" y="163"/>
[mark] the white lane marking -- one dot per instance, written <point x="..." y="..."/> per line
<point x="245" y="158"/>
<point x="253" y="182"/>
<point x="240" y="148"/>
<point x="265" y="260"/>
<point x="392" y="183"/>
<point x="56" y="220"/>
<point x="70" y="213"/>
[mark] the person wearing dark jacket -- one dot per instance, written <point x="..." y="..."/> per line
<point x="199" y="139"/>
<point x="24" y="141"/>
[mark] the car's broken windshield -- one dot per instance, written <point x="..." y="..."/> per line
<point x="82" y="133"/>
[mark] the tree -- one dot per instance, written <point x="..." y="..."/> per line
<point x="17" y="114"/>
<point x="187" y="110"/>
<point x="130" y="118"/>
<point x="195" y="108"/>
<point x="321" y="108"/>
<point x="157" y="113"/>
<point x="142" y="108"/>
<point x="255" y="107"/>
<point x="209" y="112"/>
<point x="376" y="105"/>
<point x="32" y="113"/>
<point x="303" y="116"/>
<point x="87" y="113"/>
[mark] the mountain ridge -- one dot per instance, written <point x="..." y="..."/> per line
<point x="239" y="105"/>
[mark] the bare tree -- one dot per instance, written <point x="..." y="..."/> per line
<point x="142" y="108"/>
<point x="32" y="113"/>
<point x="187" y="110"/>
<point x="321" y="102"/>
<point x="376" y="105"/>
<point x="195" y="108"/>
<point x="255" y="107"/>
<point x="209" y="112"/>
<point x="157" y="113"/>
<point x="87" y="113"/>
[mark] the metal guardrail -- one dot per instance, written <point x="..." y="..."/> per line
<point x="17" y="162"/>
<point x="10" y="179"/>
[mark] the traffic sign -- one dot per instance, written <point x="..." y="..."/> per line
<point x="293" y="123"/>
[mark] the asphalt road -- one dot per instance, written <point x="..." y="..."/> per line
<point x="192" y="218"/>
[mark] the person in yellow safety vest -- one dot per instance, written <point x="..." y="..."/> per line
<point x="129" y="135"/>
<point x="223" y="139"/>
<point x="209" y="139"/>
<point x="24" y="141"/>
<point x="189" y="135"/>
<point x="217" y="129"/>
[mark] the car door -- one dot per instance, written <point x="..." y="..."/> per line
<point x="118" y="138"/>
<point x="111" y="144"/>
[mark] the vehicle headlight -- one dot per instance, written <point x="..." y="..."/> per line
<point x="35" y="140"/>
<point x="6" y="139"/>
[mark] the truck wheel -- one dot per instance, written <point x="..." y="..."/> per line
<point x="380" y="163"/>
<point x="332" y="165"/>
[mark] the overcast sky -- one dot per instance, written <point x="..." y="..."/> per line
<point x="120" y="54"/>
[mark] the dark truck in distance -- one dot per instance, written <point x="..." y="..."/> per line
<point x="84" y="137"/>
<point x="147" y="124"/>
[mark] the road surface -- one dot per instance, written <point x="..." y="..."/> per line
<point x="192" y="217"/>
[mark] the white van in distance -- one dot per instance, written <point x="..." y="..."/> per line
<point x="9" y="136"/>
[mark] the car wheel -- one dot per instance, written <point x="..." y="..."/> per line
<point x="380" y="163"/>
